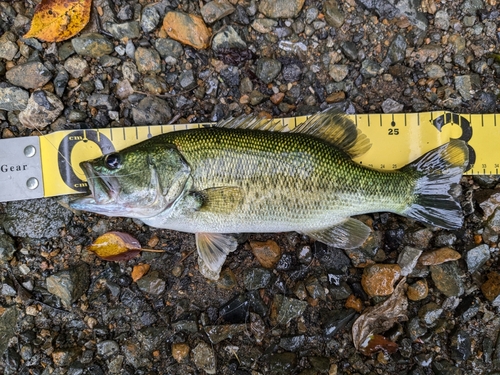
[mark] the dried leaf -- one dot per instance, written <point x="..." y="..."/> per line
<point x="139" y="271"/>
<point x="380" y="317"/>
<point x="58" y="20"/>
<point x="116" y="246"/>
<point x="376" y="343"/>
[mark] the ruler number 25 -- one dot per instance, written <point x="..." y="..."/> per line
<point x="393" y="131"/>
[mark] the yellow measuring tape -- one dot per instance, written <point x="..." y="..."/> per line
<point x="396" y="140"/>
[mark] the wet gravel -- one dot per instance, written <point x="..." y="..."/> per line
<point x="283" y="305"/>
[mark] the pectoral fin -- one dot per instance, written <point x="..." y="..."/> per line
<point x="349" y="234"/>
<point x="223" y="199"/>
<point x="212" y="252"/>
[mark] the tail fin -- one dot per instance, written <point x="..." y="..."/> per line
<point x="437" y="172"/>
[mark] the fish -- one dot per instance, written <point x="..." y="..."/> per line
<point x="253" y="175"/>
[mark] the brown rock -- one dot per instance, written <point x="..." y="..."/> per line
<point x="491" y="288"/>
<point x="335" y="97"/>
<point x="354" y="302"/>
<point x="277" y="98"/>
<point x="267" y="253"/>
<point x="180" y="351"/>
<point x="215" y="10"/>
<point x="418" y="290"/>
<point x="187" y="29"/>
<point x="43" y="109"/>
<point x="379" y="279"/>
<point x="439" y="256"/>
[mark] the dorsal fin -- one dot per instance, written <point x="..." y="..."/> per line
<point x="252" y="122"/>
<point x="335" y="127"/>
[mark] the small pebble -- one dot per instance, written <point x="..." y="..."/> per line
<point x="379" y="279"/>
<point x="267" y="253"/>
<point x="439" y="256"/>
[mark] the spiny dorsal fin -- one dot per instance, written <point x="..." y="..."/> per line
<point x="253" y="122"/>
<point x="335" y="127"/>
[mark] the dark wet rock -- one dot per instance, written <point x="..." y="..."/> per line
<point x="291" y="72"/>
<point x="169" y="49"/>
<point x="463" y="84"/>
<point x="391" y="106"/>
<point x="7" y="248"/>
<point x="216" y="10"/>
<point x="92" y="45"/>
<point x="187" y="80"/>
<point x="107" y="348"/>
<point x="60" y="82"/>
<point x="151" y="111"/>
<point x="220" y="333"/>
<point x="408" y="259"/>
<point x="13" y="98"/>
<point x="444" y="367"/>
<point x="103" y="101"/>
<point x="267" y="69"/>
<point x="256" y="278"/>
<point x="204" y="358"/>
<point x="447" y="279"/>
<point x="43" y="109"/>
<point x="341" y="291"/>
<point x="430" y="313"/>
<point x="185" y="325"/>
<point x="331" y="258"/>
<point x="228" y="38"/>
<point x="415" y="329"/>
<point x="282" y="363"/>
<point x="150" y="18"/>
<point x="315" y="289"/>
<point x="152" y="284"/>
<point x="30" y="75"/>
<point x="236" y="310"/>
<point x="285" y="309"/>
<point x="305" y="254"/>
<point x="333" y="321"/>
<point x="69" y="285"/>
<point x="280" y="8"/>
<point x="370" y="68"/>
<point x="396" y="52"/>
<point x="35" y="218"/>
<point x="292" y="343"/>
<point x="468" y="308"/>
<point x="124" y="30"/>
<point x="477" y="257"/>
<point x="395" y="9"/>
<point x="147" y="60"/>
<point x="460" y="344"/>
<point x="8" y="321"/>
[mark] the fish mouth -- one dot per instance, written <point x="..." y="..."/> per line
<point x="103" y="189"/>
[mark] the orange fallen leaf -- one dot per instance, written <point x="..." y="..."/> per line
<point x="139" y="271"/>
<point x="116" y="246"/>
<point x="58" y="20"/>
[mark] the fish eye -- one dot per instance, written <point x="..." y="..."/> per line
<point x="113" y="161"/>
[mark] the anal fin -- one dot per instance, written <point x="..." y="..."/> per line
<point x="213" y="249"/>
<point x="349" y="234"/>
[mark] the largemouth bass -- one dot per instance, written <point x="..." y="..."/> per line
<point x="249" y="176"/>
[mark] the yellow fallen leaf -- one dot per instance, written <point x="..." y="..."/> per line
<point x="116" y="246"/>
<point x="57" y="20"/>
<point x="139" y="271"/>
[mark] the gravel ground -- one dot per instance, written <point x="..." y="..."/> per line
<point x="283" y="305"/>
